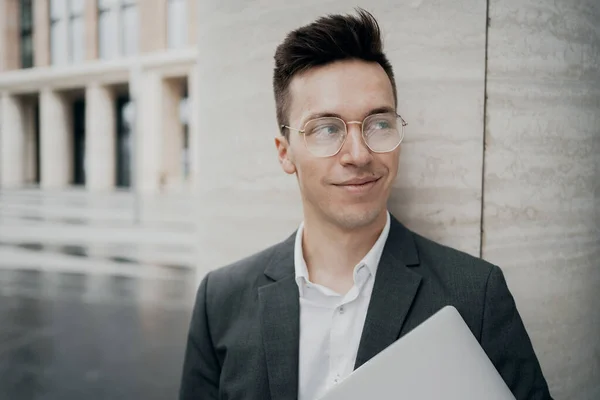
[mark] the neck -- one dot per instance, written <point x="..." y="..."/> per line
<point x="331" y="252"/>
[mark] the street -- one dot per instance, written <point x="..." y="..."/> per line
<point x="92" y="304"/>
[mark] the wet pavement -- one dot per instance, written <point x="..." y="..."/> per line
<point x="87" y="314"/>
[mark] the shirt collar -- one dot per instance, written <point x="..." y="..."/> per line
<point x="371" y="259"/>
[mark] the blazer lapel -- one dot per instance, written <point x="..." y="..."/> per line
<point x="280" y="322"/>
<point x="393" y="293"/>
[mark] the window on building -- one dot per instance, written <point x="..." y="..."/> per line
<point x="26" y="34"/>
<point x="67" y="31"/>
<point x="177" y="24"/>
<point x="117" y="28"/>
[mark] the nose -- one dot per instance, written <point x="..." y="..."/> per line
<point x="355" y="151"/>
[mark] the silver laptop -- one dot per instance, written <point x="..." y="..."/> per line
<point x="439" y="359"/>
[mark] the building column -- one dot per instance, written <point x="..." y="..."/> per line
<point x="100" y="146"/>
<point x="147" y="136"/>
<point x="171" y="170"/>
<point x="12" y="141"/>
<point x="41" y="33"/>
<point x="56" y="140"/>
<point x="9" y="35"/>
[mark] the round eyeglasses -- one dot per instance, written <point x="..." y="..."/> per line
<point x="325" y="136"/>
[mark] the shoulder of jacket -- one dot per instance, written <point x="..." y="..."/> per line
<point x="439" y="256"/>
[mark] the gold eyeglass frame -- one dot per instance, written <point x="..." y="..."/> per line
<point x="361" y="123"/>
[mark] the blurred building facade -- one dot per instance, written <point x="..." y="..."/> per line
<point x="95" y="93"/>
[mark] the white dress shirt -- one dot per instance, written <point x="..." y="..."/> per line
<point x="331" y="324"/>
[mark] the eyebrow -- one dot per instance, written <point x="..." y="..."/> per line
<point x="378" y="110"/>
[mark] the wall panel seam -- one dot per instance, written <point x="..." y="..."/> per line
<point x="484" y="129"/>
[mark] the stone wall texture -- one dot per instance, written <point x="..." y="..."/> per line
<point x="541" y="207"/>
<point x="501" y="157"/>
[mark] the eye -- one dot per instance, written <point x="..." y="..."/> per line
<point x="380" y="124"/>
<point x="327" y="130"/>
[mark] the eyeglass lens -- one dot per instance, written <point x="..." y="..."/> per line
<point x="325" y="136"/>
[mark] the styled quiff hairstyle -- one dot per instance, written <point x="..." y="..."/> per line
<point x="324" y="41"/>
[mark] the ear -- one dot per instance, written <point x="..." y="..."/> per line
<point x="285" y="155"/>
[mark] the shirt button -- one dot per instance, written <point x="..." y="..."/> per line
<point x="341" y="309"/>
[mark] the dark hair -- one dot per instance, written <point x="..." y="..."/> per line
<point x="324" y="41"/>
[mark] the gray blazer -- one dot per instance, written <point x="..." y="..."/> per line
<point x="244" y="332"/>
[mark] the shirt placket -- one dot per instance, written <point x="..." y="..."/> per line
<point x="339" y="339"/>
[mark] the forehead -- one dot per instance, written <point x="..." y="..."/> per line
<point x="350" y="88"/>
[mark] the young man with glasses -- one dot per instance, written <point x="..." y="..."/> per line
<point x="295" y="319"/>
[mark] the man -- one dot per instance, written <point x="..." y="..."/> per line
<point x="298" y="317"/>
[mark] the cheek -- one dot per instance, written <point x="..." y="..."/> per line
<point x="308" y="175"/>
<point x="394" y="169"/>
<point x="311" y="175"/>
<point x="391" y="163"/>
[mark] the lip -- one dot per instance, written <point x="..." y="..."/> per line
<point x="358" y="181"/>
<point x="359" y="185"/>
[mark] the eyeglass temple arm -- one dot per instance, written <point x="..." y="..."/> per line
<point x="292" y="129"/>
<point x="404" y="123"/>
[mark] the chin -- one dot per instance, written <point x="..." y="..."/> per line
<point x="355" y="217"/>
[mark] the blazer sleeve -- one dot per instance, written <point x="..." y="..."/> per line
<point x="507" y="344"/>
<point x="201" y="370"/>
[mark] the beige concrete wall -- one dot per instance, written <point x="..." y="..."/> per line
<point x="100" y="144"/>
<point x="41" y="33"/>
<point x="56" y="140"/>
<point x="153" y="25"/>
<point x="542" y="179"/>
<point x="12" y="140"/>
<point x="440" y="79"/>
<point x="91" y="29"/>
<point x="10" y="56"/>
<point x="438" y="53"/>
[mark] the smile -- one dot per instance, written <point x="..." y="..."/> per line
<point x="360" y="186"/>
